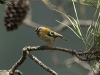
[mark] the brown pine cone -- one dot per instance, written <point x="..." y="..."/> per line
<point x="15" y="13"/>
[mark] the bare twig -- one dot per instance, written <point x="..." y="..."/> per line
<point x="28" y="21"/>
<point x="69" y="61"/>
<point x="26" y="52"/>
<point x="13" y="70"/>
<point x="82" y="12"/>
<point x="18" y="72"/>
<point x="41" y="64"/>
<point x="73" y="52"/>
<point x="18" y="63"/>
<point x="4" y="72"/>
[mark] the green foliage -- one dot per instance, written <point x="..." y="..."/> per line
<point x="87" y="2"/>
<point x="4" y="2"/>
<point x="91" y="39"/>
<point x="75" y="23"/>
<point x="92" y="35"/>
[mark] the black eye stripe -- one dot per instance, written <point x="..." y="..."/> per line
<point x="38" y="30"/>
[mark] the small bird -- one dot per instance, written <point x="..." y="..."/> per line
<point x="47" y="35"/>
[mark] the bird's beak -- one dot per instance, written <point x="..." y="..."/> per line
<point x="36" y="30"/>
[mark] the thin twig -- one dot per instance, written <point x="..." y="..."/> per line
<point x="18" y="72"/>
<point x="28" y="21"/>
<point x="13" y="70"/>
<point x="41" y="64"/>
<point x="73" y="52"/>
<point x="18" y="63"/>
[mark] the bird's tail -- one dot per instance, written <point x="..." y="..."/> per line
<point x="63" y="37"/>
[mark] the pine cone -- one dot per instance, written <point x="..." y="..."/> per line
<point x="15" y="13"/>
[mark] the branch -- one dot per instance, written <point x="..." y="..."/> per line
<point x="28" y="20"/>
<point x="73" y="52"/>
<point x="6" y="72"/>
<point x="25" y="53"/>
<point x="41" y="64"/>
<point x="18" y="63"/>
<point x="18" y="72"/>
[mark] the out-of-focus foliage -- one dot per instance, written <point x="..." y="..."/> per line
<point x="4" y="2"/>
<point x="86" y="2"/>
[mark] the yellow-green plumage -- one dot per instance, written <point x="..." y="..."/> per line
<point x="48" y="35"/>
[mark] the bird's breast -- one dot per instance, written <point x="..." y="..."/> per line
<point x="47" y="39"/>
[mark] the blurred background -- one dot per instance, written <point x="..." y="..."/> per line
<point x="12" y="42"/>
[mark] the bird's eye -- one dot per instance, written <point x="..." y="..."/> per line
<point x="37" y="30"/>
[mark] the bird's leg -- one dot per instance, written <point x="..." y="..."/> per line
<point x="50" y="44"/>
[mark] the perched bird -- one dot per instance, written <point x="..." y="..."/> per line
<point x="47" y="35"/>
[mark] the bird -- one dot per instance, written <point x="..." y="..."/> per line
<point x="47" y="35"/>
